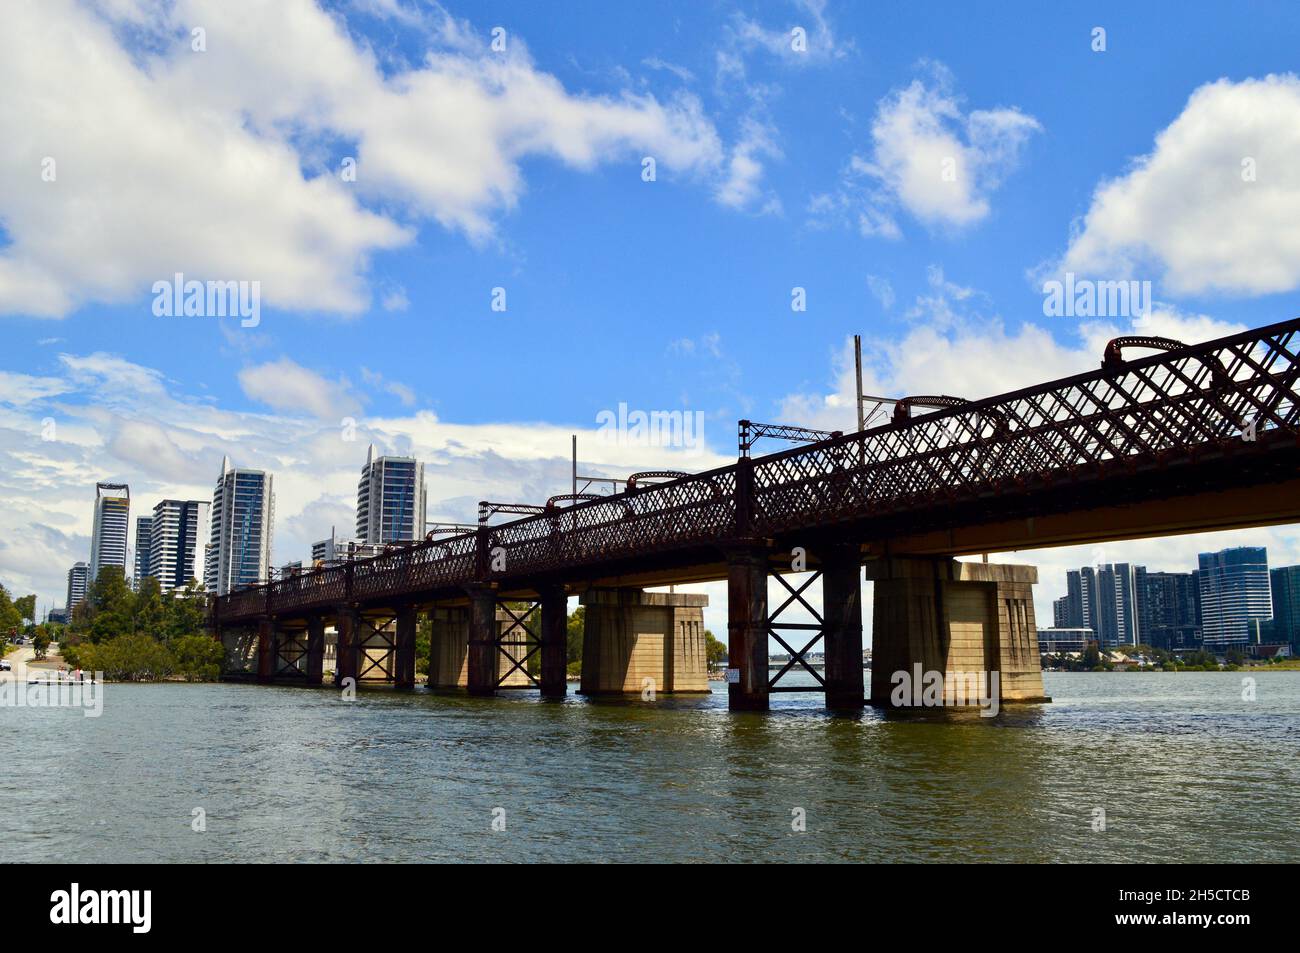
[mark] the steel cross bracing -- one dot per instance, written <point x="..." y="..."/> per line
<point x="1209" y="416"/>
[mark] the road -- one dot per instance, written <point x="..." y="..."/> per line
<point x="23" y="655"/>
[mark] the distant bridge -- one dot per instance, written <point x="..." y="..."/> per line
<point x="1188" y="439"/>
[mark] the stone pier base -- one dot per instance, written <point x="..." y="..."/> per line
<point x="634" y="640"/>
<point x="959" y="618"/>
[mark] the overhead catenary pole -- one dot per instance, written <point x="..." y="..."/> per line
<point x="857" y="361"/>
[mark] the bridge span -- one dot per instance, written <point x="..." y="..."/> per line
<point x="1188" y="439"/>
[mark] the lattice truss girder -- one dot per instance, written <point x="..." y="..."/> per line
<point x="1164" y="409"/>
<point x="521" y="636"/>
<point x="376" y="633"/>
<point x="797" y="656"/>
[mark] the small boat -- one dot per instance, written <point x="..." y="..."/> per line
<point x="60" y="680"/>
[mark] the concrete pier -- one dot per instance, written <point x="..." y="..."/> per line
<point x="633" y="640"/>
<point x="956" y="618"/>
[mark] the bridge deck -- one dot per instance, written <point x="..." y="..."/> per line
<point x="1201" y="437"/>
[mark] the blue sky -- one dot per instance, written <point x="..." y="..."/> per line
<point x="522" y="169"/>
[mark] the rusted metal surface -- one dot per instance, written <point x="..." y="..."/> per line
<point x="1213" y="416"/>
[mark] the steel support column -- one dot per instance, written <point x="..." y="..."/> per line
<point x="404" y="666"/>
<point x="747" y="629"/>
<point x="483" y="639"/>
<point x="842" y="626"/>
<point x="555" y="641"/>
<point x="315" y="650"/>
<point x="345" y="661"/>
<point x="265" y="650"/>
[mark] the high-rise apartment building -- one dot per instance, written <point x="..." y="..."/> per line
<point x="243" y="510"/>
<point x="1081" y="598"/>
<point x="1117" y="611"/>
<point x="176" y="543"/>
<point x="1235" y="591"/>
<point x="390" y="499"/>
<point x="1061" y="612"/>
<point x="143" y="531"/>
<point x="1104" y="599"/>
<point x="108" y="535"/>
<point x="78" y="585"/>
<point x="1284" y="584"/>
<point x="1169" y="615"/>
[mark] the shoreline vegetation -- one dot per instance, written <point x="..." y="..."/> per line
<point x="144" y="635"/>
<point x="1145" y="658"/>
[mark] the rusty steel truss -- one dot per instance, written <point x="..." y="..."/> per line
<point x="1190" y="419"/>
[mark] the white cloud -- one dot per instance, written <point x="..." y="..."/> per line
<point x="219" y="164"/>
<point x="818" y="40"/>
<point x="18" y="389"/>
<point x="930" y="159"/>
<point x="1186" y="210"/>
<point x="742" y="186"/>
<point x="881" y="290"/>
<point x="956" y="344"/>
<point x="165" y="443"/>
<point x="289" y="387"/>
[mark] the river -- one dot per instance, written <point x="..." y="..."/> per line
<point x="1183" y="766"/>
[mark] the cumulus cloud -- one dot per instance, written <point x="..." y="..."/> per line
<point x="742" y="186"/>
<point x="144" y="157"/>
<point x="956" y="343"/>
<point x="1214" y="206"/>
<point x="929" y="159"/>
<point x="288" y="386"/>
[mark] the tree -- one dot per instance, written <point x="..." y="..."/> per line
<point x="186" y="612"/>
<point x="41" y="641"/>
<point x="10" y="617"/>
<point x="198" y="658"/>
<point x="573" y="638"/>
<point x="112" y="605"/>
<point x="423" y="643"/>
<point x="716" y="650"/>
<point x="127" y="658"/>
<point x="1091" y="657"/>
<point x="26" y="607"/>
<point x="148" y="610"/>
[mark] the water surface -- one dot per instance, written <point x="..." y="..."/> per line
<point x="1184" y="768"/>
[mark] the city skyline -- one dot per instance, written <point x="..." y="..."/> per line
<point x="1219" y="604"/>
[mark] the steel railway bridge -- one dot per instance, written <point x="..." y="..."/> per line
<point x="1185" y="439"/>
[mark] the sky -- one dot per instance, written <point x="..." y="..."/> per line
<point x="474" y="228"/>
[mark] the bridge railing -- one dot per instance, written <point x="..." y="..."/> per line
<point x="1159" y="409"/>
<point x="428" y="565"/>
<point x="694" y="509"/>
